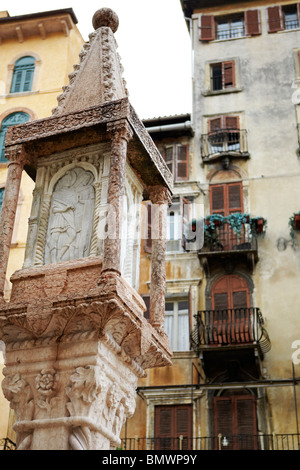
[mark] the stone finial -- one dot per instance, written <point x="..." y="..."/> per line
<point x="106" y="17"/>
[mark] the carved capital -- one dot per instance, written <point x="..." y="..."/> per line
<point x="159" y="195"/>
<point x="16" y="155"/>
<point x="120" y="129"/>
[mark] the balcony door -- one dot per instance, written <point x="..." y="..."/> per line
<point x="230" y="315"/>
<point x="226" y="199"/>
<point x="235" y="425"/>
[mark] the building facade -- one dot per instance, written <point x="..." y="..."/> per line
<point x="38" y="52"/>
<point x="233" y="385"/>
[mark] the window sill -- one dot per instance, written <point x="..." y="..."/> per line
<point x="21" y="93"/>
<point x="222" y="92"/>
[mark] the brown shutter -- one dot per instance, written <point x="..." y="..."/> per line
<point x="246" y="422"/>
<point x="214" y="124"/>
<point x="252" y="20"/>
<point x="234" y="197"/>
<point x="232" y="122"/>
<point x="171" y="422"/>
<point x="223" y="419"/>
<point x="168" y="154"/>
<point x="182" y="162"/>
<point x="183" y="423"/>
<point x="220" y="301"/>
<point x="240" y="299"/>
<point x="275" y="22"/>
<point x="217" y="199"/>
<point x="228" y="74"/>
<point x="207" y="31"/>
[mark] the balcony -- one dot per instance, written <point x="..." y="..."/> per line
<point x="230" y="336"/>
<point x="235" y="238"/>
<point x="258" y="441"/>
<point x="230" y="327"/>
<point x="224" y="142"/>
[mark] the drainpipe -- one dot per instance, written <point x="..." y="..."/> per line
<point x="171" y="127"/>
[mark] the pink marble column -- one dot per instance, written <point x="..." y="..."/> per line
<point x="17" y="158"/>
<point x="160" y="198"/>
<point x="120" y="133"/>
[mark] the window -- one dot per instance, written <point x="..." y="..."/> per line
<point x="230" y="317"/>
<point x="226" y="198"/>
<point x="23" y="75"/>
<point x="176" y="158"/>
<point x="10" y="120"/>
<point x="1" y="197"/>
<point x="283" y="18"/>
<point x="230" y="27"/>
<point x="224" y="134"/>
<point x="173" y="427"/>
<point x="222" y="75"/>
<point x="177" y="320"/>
<point x="235" y="420"/>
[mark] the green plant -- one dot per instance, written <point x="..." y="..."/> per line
<point x="236" y="220"/>
<point x="294" y="223"/>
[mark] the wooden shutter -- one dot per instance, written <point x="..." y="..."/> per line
<point x="207" y="31"/>
<point x="234" y="198"/>
<point x="171" y="422"/>
<point x="167" y="153"/>
<point x="231" y="122"/>
<point x="217" y="199"/>
<point x="240" y="299"/>
<point x="235" y="419"/>
<point x="214" y="124"/>
<point x="228" y="74"/>
<point x="252" y="21"/>
<point x="275" y="21"/>
<point x="182" y="162"/>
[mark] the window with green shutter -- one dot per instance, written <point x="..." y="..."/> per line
<point x="23" y="75"/>
<point x="10" y="120"/>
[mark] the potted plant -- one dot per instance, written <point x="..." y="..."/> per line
<point x="258" y="225"/>
<point x="236" y="220"/>
<point x="294" y="223"/>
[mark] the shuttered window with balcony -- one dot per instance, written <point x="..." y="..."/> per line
<point x="173" y="427"/>
<point x="226" y="198"/>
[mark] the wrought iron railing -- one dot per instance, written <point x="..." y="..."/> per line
<point x="220" y="442"/>
<point x="224" y="238"/>
<point x="7" y="444"/>
<point x="224" y="141"/>
<point x="228" y="327"/>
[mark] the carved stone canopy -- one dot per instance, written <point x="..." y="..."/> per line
<point x="95" y="96"/>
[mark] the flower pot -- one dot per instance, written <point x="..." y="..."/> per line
<point x="260" y="225"/>
<point x="297" y="221"/>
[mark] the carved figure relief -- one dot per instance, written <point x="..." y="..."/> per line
<point x="71" y="217"/>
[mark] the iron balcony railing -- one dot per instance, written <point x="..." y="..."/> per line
<point x="224" y="238"/>
<point x="231" y="141"/>
<point x="220" y="442"/>
<point x="230" y="327"/>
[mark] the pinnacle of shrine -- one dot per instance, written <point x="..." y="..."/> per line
<point x="97" y="79"/>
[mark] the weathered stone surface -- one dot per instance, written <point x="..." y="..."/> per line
<point x="74" y="329"/>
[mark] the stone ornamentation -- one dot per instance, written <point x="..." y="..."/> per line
<point x="76" y="339"/>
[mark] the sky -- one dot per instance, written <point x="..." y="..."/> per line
<point x="153" y="43"/>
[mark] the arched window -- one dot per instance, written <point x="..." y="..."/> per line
<point x="23" y="75"/>
<point x="10" y="120"/>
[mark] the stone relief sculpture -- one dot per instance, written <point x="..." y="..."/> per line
<point x="71" y="217"/>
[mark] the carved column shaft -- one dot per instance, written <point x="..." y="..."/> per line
<point x="120" y="132"/>
<point x="160" y="198"/>
<point x="16" y="157"/>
